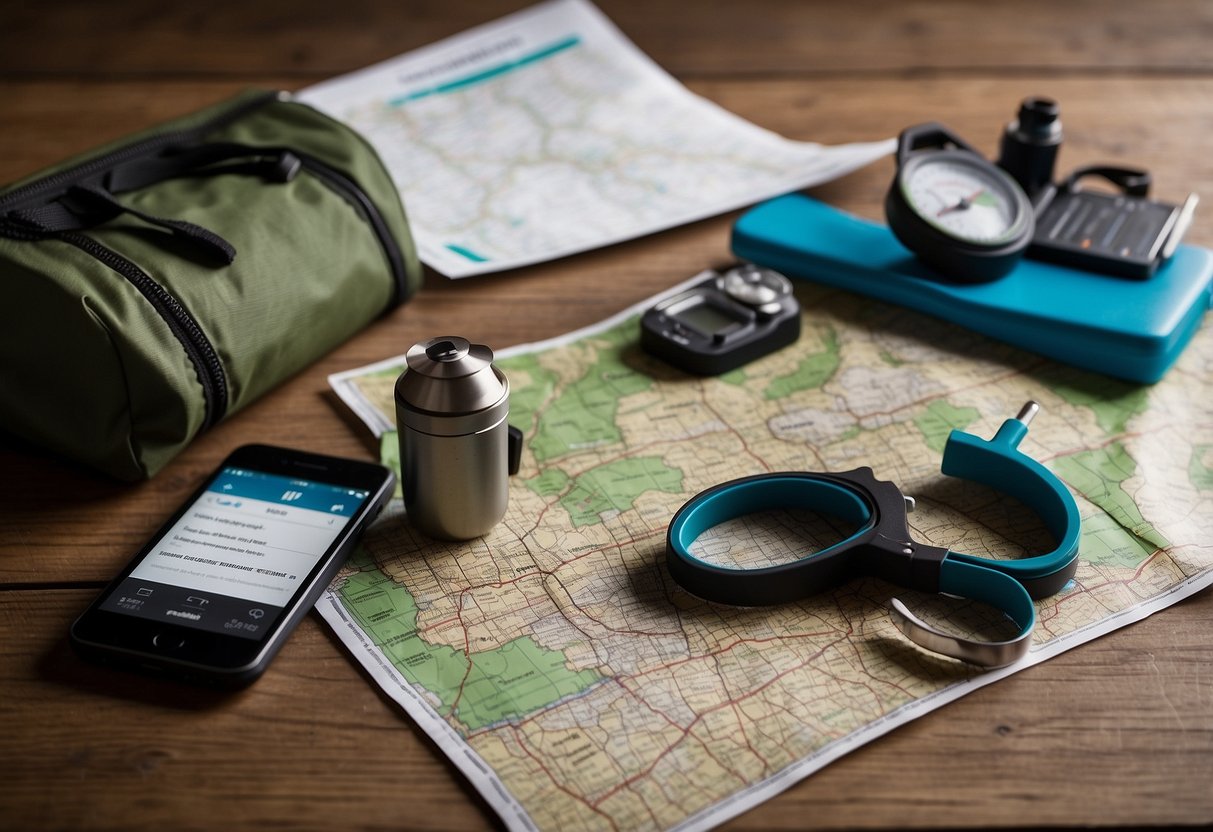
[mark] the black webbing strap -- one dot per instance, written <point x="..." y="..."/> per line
<point x="196" y="161"/>
<point x="87" y="204"/>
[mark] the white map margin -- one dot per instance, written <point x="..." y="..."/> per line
<point x="494" y="791"/>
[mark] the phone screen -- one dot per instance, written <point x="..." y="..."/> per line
<point x="238" y="554"/>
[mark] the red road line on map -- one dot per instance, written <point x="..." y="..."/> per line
<point x="766" y="764"/>
<point x="686" y="731"/>
<point x="467" y="652"/>
<point x="1098" y="446"/>
<point x="1055" y="606"/>
<point x="863" y="665"/>
<point x="467" y="648"/>
<point x="548" y="573"/>
<point x="674" y="724"/>
<point x="622" y="455"/>
<point x="720" y="652"/>
<point x="671" y="665"/>
<point x="579" y="798"/>
<point x="597" y="464"/>
<point x="730" y="429"/>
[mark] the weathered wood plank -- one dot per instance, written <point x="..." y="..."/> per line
<point x="1119" y="732"/>
<point x="316" y="39"/>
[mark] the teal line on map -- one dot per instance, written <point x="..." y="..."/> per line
<point x="486" y="74"/>
<point x="468" y="253"/>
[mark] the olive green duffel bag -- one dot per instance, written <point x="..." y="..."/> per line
<point x="161" y="283"/>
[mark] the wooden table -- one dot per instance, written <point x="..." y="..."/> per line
<point x="1119" y="731"/>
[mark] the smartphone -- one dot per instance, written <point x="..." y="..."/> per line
<point x="215" y="593"/>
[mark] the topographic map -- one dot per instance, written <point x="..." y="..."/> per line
<point x="578" y="687"/>
<point x="548" y="133"/>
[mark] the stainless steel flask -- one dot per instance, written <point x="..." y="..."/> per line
<point x="451" y="408"/>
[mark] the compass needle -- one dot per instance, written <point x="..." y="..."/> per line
<point x="957" y="211"/>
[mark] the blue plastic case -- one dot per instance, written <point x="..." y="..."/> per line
<point x="1130" y="329"/>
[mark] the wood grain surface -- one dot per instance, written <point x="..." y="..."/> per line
<point x="1117" y="732"/>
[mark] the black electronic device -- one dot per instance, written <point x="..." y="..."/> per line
<point x="961" y="214"/>
<point x="724" y="321"/>
<point x="218" y="589"/>
<point x="1122" y="233"/>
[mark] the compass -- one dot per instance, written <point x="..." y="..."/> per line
<point x="961" y="214"/>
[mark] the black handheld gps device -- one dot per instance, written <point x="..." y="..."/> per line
<point x="723" y="322"/>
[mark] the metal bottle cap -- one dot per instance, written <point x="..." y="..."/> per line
<point x="451" y="388"/>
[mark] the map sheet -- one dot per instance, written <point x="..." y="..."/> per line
<point x="547" y="133"/>
<point x="578" y="687"/>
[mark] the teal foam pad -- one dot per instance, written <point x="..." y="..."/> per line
<point x="1131" y="329"/>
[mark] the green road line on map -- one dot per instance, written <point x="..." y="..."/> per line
<point x="1098" y="475"/>
<point x="515" y="679"/>
<point x="616" y="486"/>
<point x="583" y="415"/>
<point x="812" y="371"/>
<point x="1114" y="402"/>
<point x="1200" y="472"/>
<point x="940" y="419"/>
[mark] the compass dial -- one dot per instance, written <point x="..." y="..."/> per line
<point x="966" y="199"/>
<point x="963" y="216"/>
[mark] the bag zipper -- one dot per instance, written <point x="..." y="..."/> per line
<point x="198" y="348"/>
<point x="371" y="213"/>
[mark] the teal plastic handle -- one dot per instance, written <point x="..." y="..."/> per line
<point x="777" y="584"/>
<point x="999" y="464"/>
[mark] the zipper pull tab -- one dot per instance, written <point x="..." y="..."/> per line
<point x="285" y="168"/>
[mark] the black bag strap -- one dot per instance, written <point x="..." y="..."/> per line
<point x="275" y="164"/>
<point x="92" y="202"/>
